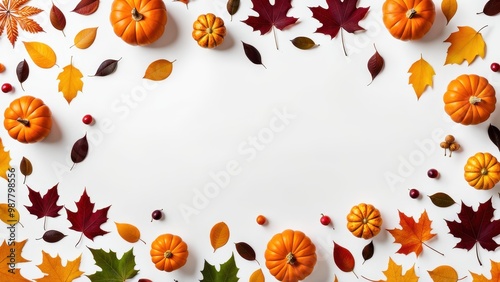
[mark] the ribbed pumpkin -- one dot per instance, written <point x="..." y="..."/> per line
<point x="209" y="30"/>
<point x="290" y="256"/>
<point x="138" y="22"/>
<point x="408" y="19"/>
<point x="28" y="119"/>
<point x="469" y="99"/>
<point x="169" y="252"/>
<point x="482" y="171"/>
<point x="364" y="221"/>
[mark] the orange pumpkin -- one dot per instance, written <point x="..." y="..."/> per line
<point x="290" y="256"/>
<point x="364" y="221"/>
<point x="482" y="171"/>
<point x="469" y="99"/>
<point x="209" y="30"/>
<point x="138" y="22"/>
<point x="408" y="19"/>
<point x="28" y="119"/>
<point x="169" y="252"/>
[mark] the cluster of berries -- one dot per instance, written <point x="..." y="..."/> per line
<point x="450" y="144"/>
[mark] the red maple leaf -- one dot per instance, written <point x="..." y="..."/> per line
<point x="87" y="221"/>
<point x="339" y="15"/>
<point x="270" y="16"/>
<point x="476" y="227"/>
<point x="44" y="206"/>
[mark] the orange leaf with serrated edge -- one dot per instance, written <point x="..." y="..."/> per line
<point x="54" y="270"/>
<point x="449" y="8"/>
<point x="4" y="161"/>
<point x="466" y="45"/>
<point x="219" y="235"/>
<point x="495" y="274"/>
<point x="15" y="16"/>
<point x="394" y="273"/>
<point x="412" y="235"/>
<point x="70" y="82"/>
<point x="6" y="250"/>
<point x="257" y="276"/>
<point x="421" y="76"/>
<point x="444" y="273"/>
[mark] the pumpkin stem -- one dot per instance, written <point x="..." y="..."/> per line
<point x="209" y="30"/>
<point x="411" y="13"/>
<point x="25" y="122"/>
<point x="168" y="254"/>
<point x="136" y="15"/>
<point x="484" y="171"/>
<point x="474" y="100"/>
<point x="290" y="258"/>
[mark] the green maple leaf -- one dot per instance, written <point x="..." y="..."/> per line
<point x="227" y="273"/>
<point x="112" y="268"/>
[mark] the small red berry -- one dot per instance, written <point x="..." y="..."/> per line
<point x="432" y="173"/>
<point x="6" y="87"/>
<point x="495" y="67"/>
<point x="325" y="219"/>
<point x="156" y="215"/>
<point x="414" y="193"/>
<point x="261" y="220"/>
<point x="87" y="119"/>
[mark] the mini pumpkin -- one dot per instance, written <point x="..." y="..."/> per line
<point x="408" y="19"/>
<point x="138" y="22"/>
<point x="169" y="252"/>
<point x="209" y="30"/>
<point x="469" y="99"/>
<point x="482" y="171"/>
<point x="364" y="221"/>
<point x="28" y="119"/>
<point x="290" y="256"/>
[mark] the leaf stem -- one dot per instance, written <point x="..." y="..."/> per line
<point x="482" y="28"/>
<point x="44" y="223"/>
<point x="79" y="240"/>
<point x="432" y="249"/>
<point x="342" y="41"/>
<point x="477" y="256"/>
<point x="275" y="38"/>
<point x="355" y="274"/>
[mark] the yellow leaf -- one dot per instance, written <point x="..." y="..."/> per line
<point x="4" y="161"/>
<point x="54" y="270"/>
<point x="444" y="273"/>
<point x="257" y="276"/>
<point x="495" y="274"/>
<point x="219" y="235"/>
<point x="128" y="232"/>
<point x="449" y="8"/>
<point x="421" y="76"/>
<point x="466" y="44"/>
<point x="394" y="273"/>
<point x="9" y="215"/>
<point x="159" y="70"/>
<point x="41" y="54"/>
<point x="85" y="38"/>
<point x="70" y="82"/>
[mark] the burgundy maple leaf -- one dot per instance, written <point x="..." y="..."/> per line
<point x="87" y="221"/>
<point x="44" y="206"/>
<point x="476" y="227"/>
<point x="339" y="15"/>
<point x="270" y="16"/>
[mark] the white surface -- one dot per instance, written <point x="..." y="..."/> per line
<point x="156" y="145"/>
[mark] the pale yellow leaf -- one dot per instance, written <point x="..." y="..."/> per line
<point x="4" y="161"/>
<point x="159" y="70"/>
<point x="85" y="38"/>
<point x="9" y="214"/>
<point x="219" y="235"/>
<point x="449" y="8"/>
<point x="41" y="54"/>
<point x="54" y="270"/>
<point x="444" y="273"/>
<point x="257" y="276"/>
<point x="421" y="76"/>
<point x="70" y="82"/>
<point x="466" y="45"/>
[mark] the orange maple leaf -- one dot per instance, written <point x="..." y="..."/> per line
<point x="466" y="45"/>
<point x="54" y="270"/>
<point x="413" y="234"/>
<point x="10" y="256"/>
<point x="13" y="15"/>
<point x="394" y="273"/>
<point x="495" y="274"/>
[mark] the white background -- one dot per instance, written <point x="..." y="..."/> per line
<point x="155" y="145"/>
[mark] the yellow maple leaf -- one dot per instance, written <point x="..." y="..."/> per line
<point x="394" y="273"/>
<point x="4" y="161"/>
<point x="495" y="274"/>
<point x="10" y="256"/>
<point x="421" y="76"/>
<point x="466" y="45"/>
<point x="70" y="82"/>
<point x="55" y="271"/>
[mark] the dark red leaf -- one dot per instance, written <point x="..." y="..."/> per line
<point x="368" y="251"/>
<point x="252" y="54"/>
<point x="22" y="71"/>
<point x="375" y="64"/>
<point x="45" y="205"/>
<point x="53" y="236"/>
<point x="85" y="220"/>
<point x="494" y="135"/>
<point x="232" y="7"/>
<point x="57" y="18"/>
<point x="245" y="251"/>
<point x="107" y="67"/>
<point x="476" y="227"/>
<point x="492" y="7"/>
<point x="343" y="258"/>
<point x="86" y="7"/>
<point x="144" y="280"/>
<point x="339" y="15"/>
<point x="80" y="150"/>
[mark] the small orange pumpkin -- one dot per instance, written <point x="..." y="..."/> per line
<point x="28" y="119"/>
<point x="169" y="252"/>
<point x="364" y="221"/>
<point x="408" y="19"/>
<point x="482" y="171"/>
<point x="138" y="22"/>
<point x="290" y="256"/>
<point x="209" y="30"/>
<point x="469" y="99"/>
